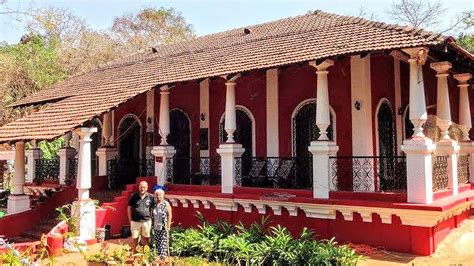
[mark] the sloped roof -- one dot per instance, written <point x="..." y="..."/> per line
<point x="303" y="38"/>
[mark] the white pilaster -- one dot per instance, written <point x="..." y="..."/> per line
<point x="32" y="155"/>
<point x="361" y="91"/>
<point x="150" y="122"/>
<point x="204" y="111"/>
<point x="84" y="209"/>
<point x="65" y="154"/>
<point x="163" y="162"/>
<point x="107" y="129"/>
<point x="322" y="98"/>
<point x="446" y="146"/>
<point x="398" y="104"/>
<point x="104" y="154"/>
<point x="272" y="107"/>
<point x="18" y="201"/>
<point x="164" y="123"/>
<point x="321" y="151"/>
<point x="419" y="148"/>
<point x="228" y="153"/>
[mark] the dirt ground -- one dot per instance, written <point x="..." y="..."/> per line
<point x="456" y="249"/>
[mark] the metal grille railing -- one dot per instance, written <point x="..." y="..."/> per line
<point x="440" y="172"/>
<point x="368" y="173"/>
<point x="276" y="172"/>
<point x="147" y="167"/>
<point x="72" y="171"/>
<point x="204" y="170"/>
<point x="463" y="169"/>
<point x="46" y="169"/>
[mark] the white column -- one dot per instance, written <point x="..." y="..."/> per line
<point x="84" y="209"/>
<point x="164" y="127"/>
<point x="165" y="152"/>
<point x="230" y="114"/>
<point x="32" y="155"/>
<point x="18" y="201"/>
<point x="467" y="147"/>
<point x="107" y="129"/>
<point x="419" y="148"/>
<point x="464" y="106"/>
<point x="229" y="150"/>
<point x="66" y="154"/>
<point x="446" y="146"/>
<point x="398" y="104"/>
<point x="272" y="107"/>
<point x="322" y="149"/>
<point x="104" y="154"/>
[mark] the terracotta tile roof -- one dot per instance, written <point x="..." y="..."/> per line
<point x="292" y="40"/>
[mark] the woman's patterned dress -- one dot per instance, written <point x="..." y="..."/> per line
<point x="160" y="233"/>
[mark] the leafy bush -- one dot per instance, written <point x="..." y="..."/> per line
<point x="259" y="244"/>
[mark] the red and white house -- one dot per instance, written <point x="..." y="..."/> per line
<point x="356" y="129"/>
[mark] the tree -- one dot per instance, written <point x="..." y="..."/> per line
<point x="150" y="27"/>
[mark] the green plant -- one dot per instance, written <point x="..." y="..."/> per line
<point x="65" y="214"/>
<point x="278" y="248"/>
<point x="121" y="254"/>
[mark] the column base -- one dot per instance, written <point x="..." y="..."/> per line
<point x="84" y="214"/>
<point x="105" y="154"/>
<point x="322" y="183"/>
<point x="17" y="204"/>
<point x="163" y="155"/>
<point x="419" y="169"/>
<point x="228" y="152"/>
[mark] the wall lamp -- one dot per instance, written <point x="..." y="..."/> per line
<point x="357" y="105"/>
<point x="203" y="118"/>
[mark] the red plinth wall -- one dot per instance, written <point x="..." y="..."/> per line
<point x="391" y="235"/>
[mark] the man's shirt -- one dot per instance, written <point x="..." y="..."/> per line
<point x="141" y="207"/>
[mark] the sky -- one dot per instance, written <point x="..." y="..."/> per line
<point x="209" y="16"/>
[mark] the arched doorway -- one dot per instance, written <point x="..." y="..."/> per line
<point x="95" y="144"/>
<point x="305" y="131"/>
<point x="243" y="135"/>
<point x="180" y="139"/>
<point x="129" y="149"/>
<point x="386" y="130"/>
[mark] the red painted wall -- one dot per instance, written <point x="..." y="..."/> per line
<point x="297" y="84"/>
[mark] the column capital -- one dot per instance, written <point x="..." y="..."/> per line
<point x="463" y="78"/>
<point x="441" y="68"/>
<point x="85" y="132"/>
<point x="323" y="66"/>
<point x="165" y="89"/>
<point x="230" y="83"/>
<point x="417" y="54"/>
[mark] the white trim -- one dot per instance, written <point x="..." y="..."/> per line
<point x="376" y="114"/>
<point x="295" y="112"/>
<point x="398" y="104"/>
<point x="134" y="116"/>
<point x="404" y="116"/>
<point x="190" y="129"/>
<point x="272" y="111"/>
<point x="252" y="118"/>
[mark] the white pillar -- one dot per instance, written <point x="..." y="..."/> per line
<point x="464" y="106"/>
<point x="419" y="148"/>
<point x="32" y="155"/>
<point x="107" y="129"/>
<point x="446" y="146"/>
<point x="272" y="113"/>
<point x="163" y="162"/>
<point x="230" y="114"/>
<point x="229" y="150"/>
<point x="204" y="113"/>
<point x="164" y="127"/>
<point x="467" y="147"/>
<point x="322" y="149"/>
<point x="322" y="98"/>
<point x="18" y="201"/>
<point x="84" y="209"/>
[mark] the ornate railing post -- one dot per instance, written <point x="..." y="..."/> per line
<point x="65" y="156"/>
<point x="105" y="154"/>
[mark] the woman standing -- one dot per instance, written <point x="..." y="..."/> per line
<point x="161" y="224"/>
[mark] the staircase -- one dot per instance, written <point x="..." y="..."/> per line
<point x="35" y="233"/>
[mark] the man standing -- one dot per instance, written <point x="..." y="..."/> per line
<point x="139" y="214"/>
